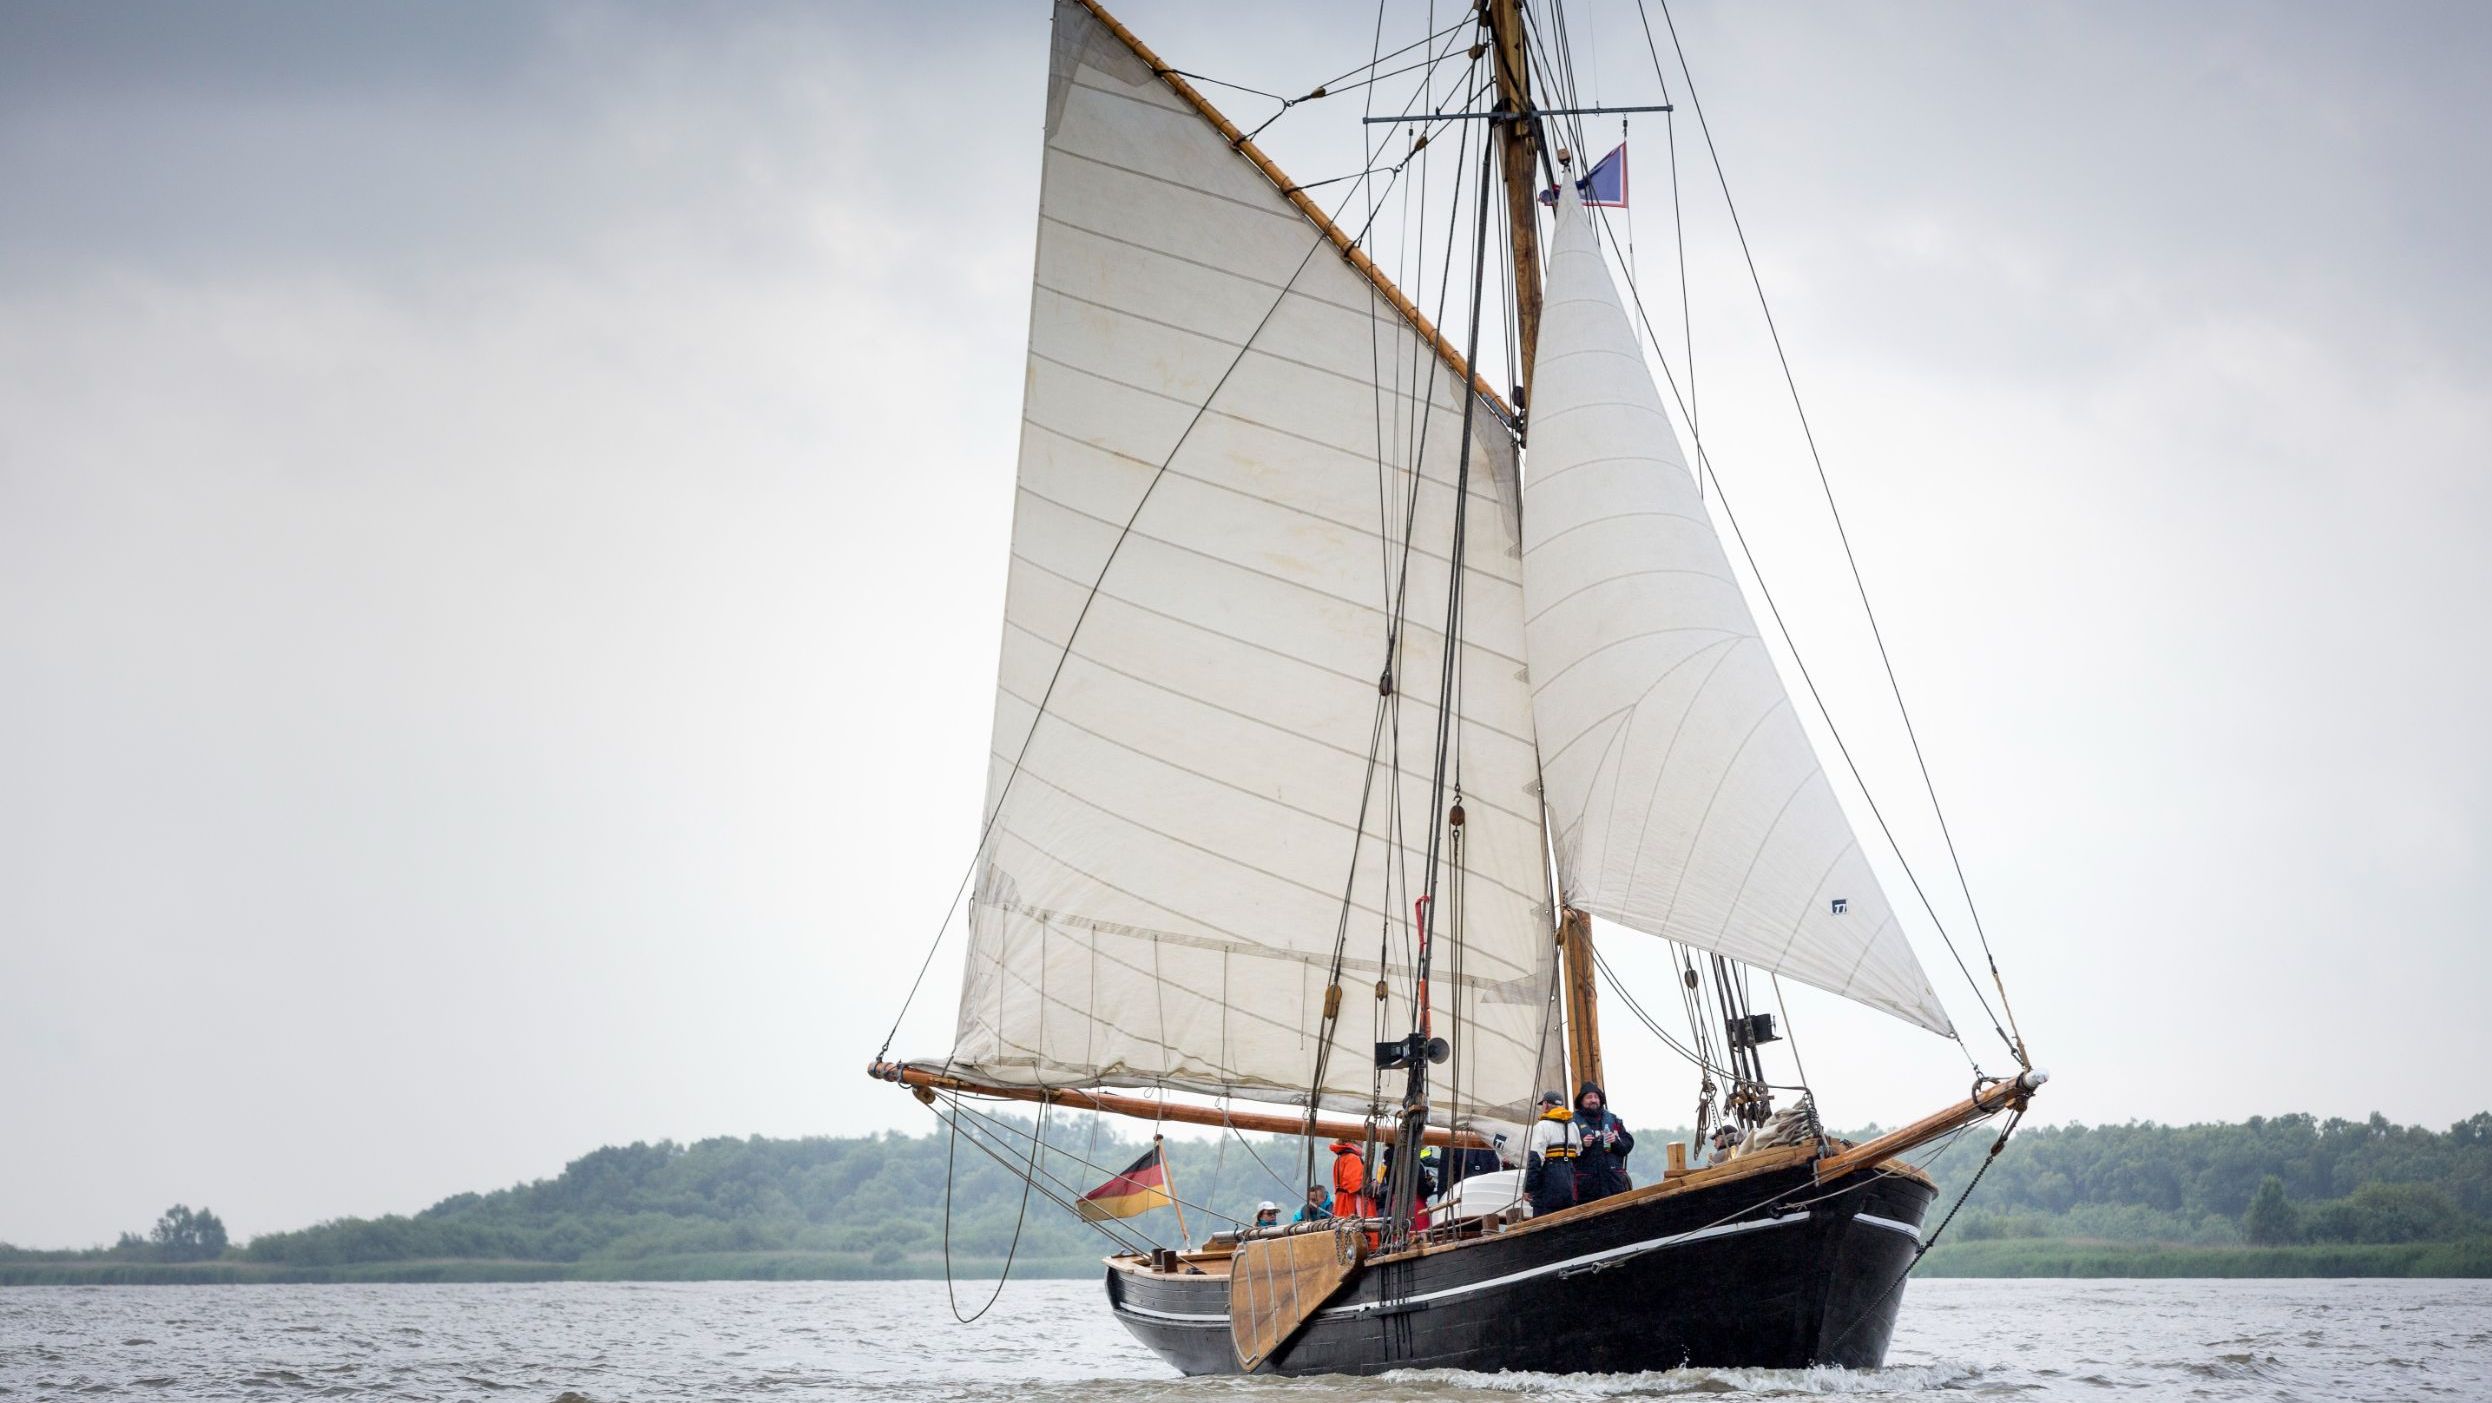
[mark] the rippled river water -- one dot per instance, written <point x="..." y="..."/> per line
<point x="1049" y="1340"/>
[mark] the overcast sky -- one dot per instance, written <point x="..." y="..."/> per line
<point x="502" y="519"/>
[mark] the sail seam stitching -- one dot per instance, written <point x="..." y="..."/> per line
<point x="1173" y="183"/>
<point x="1377" y="387"/>
<point x="1517" y="982"/>
<point x="1244" y="569"/>
<point x="1330" y="898"/>
<point x="1216" y="484"/>
<point x="1036" y="1057"/>
<point x="1560" y="535"/>
<point x="1247" y="278"/>
<point x="1211" y="632"/>
<point x="1661" y="772"/>
<point x="1207" y="412"/>
<point x="1210" y="705"/>
<point x="1560" y="602"/>
<point x="1229" y="785"/>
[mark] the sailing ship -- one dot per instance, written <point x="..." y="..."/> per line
<point x="1339" y="694"/>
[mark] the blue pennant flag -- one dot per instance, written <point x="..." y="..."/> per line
<point x="1604" y="184"/>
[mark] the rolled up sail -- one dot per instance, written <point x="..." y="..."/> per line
<point x="1685" y="799"/>
<point x="1222" y="427"/>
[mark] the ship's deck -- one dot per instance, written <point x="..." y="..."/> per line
<point x="1214" y="1258"/>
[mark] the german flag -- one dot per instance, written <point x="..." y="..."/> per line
<point x="1142" y="1187"/>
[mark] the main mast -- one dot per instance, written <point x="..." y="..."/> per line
<point x="1523" y="163"/>
<point x="1518" y="152"/>
<point x="1517" y="146"/>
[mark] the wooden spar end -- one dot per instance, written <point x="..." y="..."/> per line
<point x="2009" y="1095"/>
<point x="926" y="1083"/>
<point x="1350" y="250"/>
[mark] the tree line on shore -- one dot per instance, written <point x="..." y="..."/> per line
<point x="891" y="1199"/>
<point x="2320" y="1181"/>
<point x="180" y="1235"/>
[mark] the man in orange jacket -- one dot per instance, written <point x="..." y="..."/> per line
<point x="1350" y="1196"/>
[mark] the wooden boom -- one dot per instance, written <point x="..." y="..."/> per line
<point x="926" y="1083"/>
<point x="2008" y="1095"/>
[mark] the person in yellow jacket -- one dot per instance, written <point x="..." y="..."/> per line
<point x="1549" y="1166"/>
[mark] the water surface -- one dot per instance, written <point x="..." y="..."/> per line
<point x="1050" y="1340"/>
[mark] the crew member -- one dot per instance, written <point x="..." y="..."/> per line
<point x="1267" y="1214"/>
<point x="1461" y="1164"/>
<point x="1601" y="1170"/>
<point x="1318" y="1205"/>
<point x="1549" y="1176"/>
<point x="1727" y="1138"/>
<point x="1429" y="1184"/>
<point x="1350" y="1196"/>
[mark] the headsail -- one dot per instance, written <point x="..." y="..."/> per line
<point x="1684" y="797"/>
<point x="1165" y="873"/>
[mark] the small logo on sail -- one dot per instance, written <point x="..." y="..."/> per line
<point x="1840" y="905"/>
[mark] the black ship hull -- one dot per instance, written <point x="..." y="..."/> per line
<point x="1762" y="1271"/>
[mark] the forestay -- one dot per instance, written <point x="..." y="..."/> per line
<point x="1165" y="875"/>
<point x="1684" y="797"/>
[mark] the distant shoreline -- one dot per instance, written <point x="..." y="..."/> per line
<point x="2022" y="1257"/>
<point x="699" y="1266"/>
<point x="2285" y="1196"/>
<point x="2066" y="1257"/>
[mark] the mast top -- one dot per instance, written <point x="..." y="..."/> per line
<point x="1518" y="148"/>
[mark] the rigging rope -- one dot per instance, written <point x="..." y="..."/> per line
<point x="999" y="1127"/>
<point x="951" y="1295"/>
<point x="1388" y="709"/>
<point x="1678" y="225"/>
<point x="1792" y="1032"/>
<point x="1449" y="682"/>
<point x="1700" y="1058"/>
<point x="1330" y="86"/>
<point x="1287" y="1190"/>
<point x="1932" y="1240"/>
<point x="1860" y="586"/>
<point x="1450" y="672"/>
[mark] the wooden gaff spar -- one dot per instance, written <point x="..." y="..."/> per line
<point x="1140" y="1108"/>
<point x="1229" y="752"/>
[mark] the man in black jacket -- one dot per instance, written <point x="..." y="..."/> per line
<point x="1601" y="1170"/>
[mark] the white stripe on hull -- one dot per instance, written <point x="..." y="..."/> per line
<point x="1595" y="1260"/>
<point x="1603" y="1257"/>
<point x="1175" y="1317"/>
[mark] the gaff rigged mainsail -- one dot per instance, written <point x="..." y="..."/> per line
<point x="1684" y="797"/>
<point x="1171" y="842"/>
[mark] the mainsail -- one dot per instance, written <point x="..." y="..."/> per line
<point x="1222" y="424"/>
<point x="1684" y="797"/>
